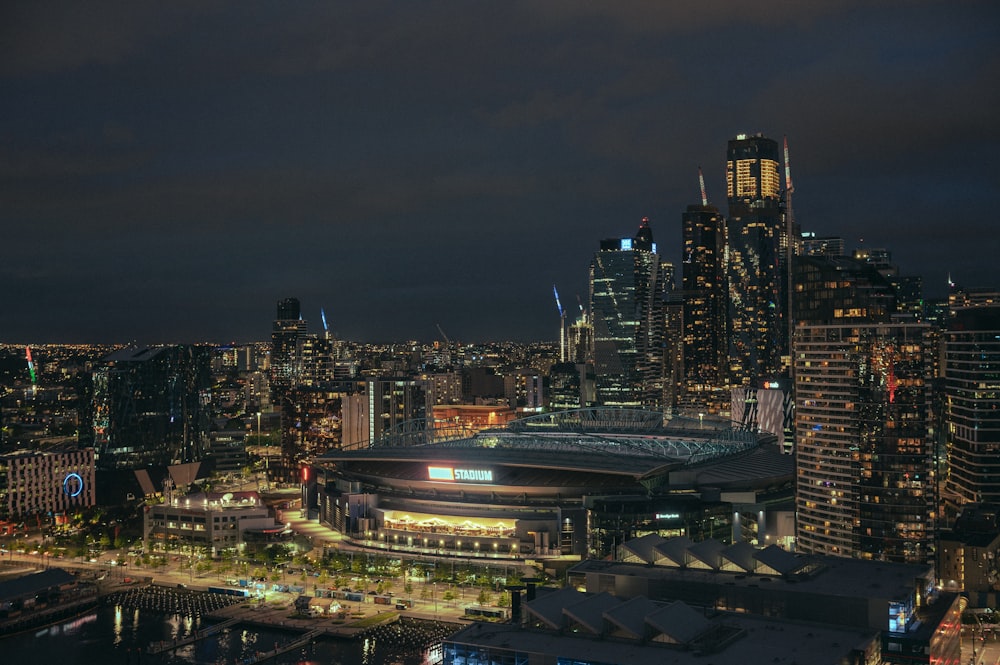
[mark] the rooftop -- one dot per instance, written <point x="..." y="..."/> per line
<point x="742" y="640"/>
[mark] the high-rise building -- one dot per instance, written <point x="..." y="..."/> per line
<point x="286" y="332"/>
<point x="628" y="282"/>
<point x="151" y="406"/>
<point x="757" y="262"/>
<point x="972" y="405"/>
<point x="382" y="406"/>
<point x="840" y="289"/>
<point x="705" y="321"/>
<point x="865" y="476"/>
<point x="908" y="289"/>
<point x="813" y="245"/>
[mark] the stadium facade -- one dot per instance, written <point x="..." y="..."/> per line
<point x="569" y="483"/>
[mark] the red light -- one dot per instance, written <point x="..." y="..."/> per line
<point x="305" y="474"/>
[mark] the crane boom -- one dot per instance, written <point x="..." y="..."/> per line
<point x="788" y="170"/>
<point x="701" y="181"/>
<point x="558" y="304"/>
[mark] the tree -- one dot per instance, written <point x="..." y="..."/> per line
<point x="484" y="597"/>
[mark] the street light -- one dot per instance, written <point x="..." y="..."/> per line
<point x="267" y="455"/>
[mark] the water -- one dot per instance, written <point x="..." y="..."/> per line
<point x="113" y="636"/>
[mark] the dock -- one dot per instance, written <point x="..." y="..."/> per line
<point x="165" y="645"/>
<point x="297" y="643"/>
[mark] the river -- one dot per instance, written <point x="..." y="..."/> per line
<point x="113" y="636"/>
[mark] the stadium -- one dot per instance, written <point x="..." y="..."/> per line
<point x="570" y="483"/>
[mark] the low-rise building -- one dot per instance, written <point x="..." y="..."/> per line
<point x="969" y="555"/>
<point x="211" y="522"/>
<point x="569" y="626"/>
<point x="46" y="483"/>
<point x="917" y="622"/>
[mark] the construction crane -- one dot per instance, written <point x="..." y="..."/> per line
<point x="701" y="181"/>
<point x="441" y="330"/>
<point x="789" y="187"/>
<point x="562" y="326"/>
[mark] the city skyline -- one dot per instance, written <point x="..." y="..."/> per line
<point x="168" y="173"/>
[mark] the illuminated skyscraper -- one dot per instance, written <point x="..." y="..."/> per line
<point x="288" y="328"/>
<point x="972" y="405"/>
<point x="705" y="377"/>
<point x="865" y="474"/>
<point x="756" y="265"/>
<point x="628" y="282"/>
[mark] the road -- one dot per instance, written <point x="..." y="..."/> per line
<point x="987" y="650"/>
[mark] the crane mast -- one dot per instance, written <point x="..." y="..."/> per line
<point x="562" y="326"/>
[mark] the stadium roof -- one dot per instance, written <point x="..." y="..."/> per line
<point x="641" y="442"/>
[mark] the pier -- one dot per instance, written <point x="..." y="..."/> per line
<point x="297" y="643"/>
<point x="164" y="645"/>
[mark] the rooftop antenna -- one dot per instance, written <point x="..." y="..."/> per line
<point x="701" y="181"/>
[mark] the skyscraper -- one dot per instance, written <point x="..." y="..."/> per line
<point x="705" y="320"/>
<point x="756" y="265"/>
<point x="972" y="405"/>
<point x="864" y="450"/>
<point x="287" y="329"/>
<point x="628" y="282"/>
<point x="149" y="408"/>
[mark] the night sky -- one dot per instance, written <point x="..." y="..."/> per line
<point x="169" y="170"/>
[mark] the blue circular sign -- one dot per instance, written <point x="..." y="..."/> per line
<point x="72" y="484"/>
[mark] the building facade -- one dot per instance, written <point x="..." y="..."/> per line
<point x="210" y="523"/>
<point x="756" y="265"/>
<point x="865" y="473"/>
<point x="705" y="321"/>
<point x="46" y="484"/>
<point x="286" y="332"/>
<point x="150" y="406"/>
<point x="972" y="405"/>
<point x="628" y="283"/>
<point x="382" y="405"/>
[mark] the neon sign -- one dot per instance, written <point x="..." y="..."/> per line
<point x="668" y="516"/>
<point x="452" y="474"/>
<point x="72" y="485"/>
